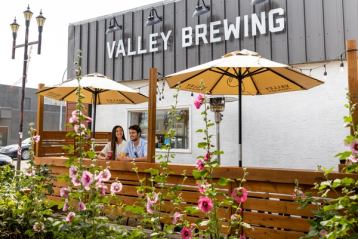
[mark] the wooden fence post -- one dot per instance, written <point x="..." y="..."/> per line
<point x="39" y="121"/>
<point x="152" y="113"/>
<point x="353" y="76"/>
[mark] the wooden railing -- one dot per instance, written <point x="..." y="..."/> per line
<point x="270" y="208"/>
<point x="52" y="143"/>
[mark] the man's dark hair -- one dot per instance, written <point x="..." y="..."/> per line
<point x="136" y="128"/>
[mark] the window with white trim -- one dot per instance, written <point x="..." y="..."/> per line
<point x="181" y="140"/>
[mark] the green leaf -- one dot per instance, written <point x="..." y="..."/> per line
<point x="223" y="181"/>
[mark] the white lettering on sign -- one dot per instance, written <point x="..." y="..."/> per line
<point x="251" y="25"/>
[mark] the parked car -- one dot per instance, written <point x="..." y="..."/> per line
<point x="11" y="150"/>
<point x="5" y="160"/>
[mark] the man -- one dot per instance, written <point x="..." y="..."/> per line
<point x="136" y="148"/>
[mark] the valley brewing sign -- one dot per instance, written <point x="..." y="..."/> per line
<point x="273" y="22"/>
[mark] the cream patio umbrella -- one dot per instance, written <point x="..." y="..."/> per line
<point x="97" y="89"/>
<point x="241" y="73"/>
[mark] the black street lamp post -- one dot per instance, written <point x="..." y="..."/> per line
<point x="15" y="27"/>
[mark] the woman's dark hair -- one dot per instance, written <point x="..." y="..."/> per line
<point x="114" y="140"/>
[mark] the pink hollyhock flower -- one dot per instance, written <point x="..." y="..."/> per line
<point x="297" y="193"/>
<point x="79" y="129"/>
<point x="70" y="216"/>
<point x="102" y="188"/>
<point x="353" y="159"/>
<point x="323" y="233"/>
<point x="116" y="187"/>
<point x="200" y="165"/>
<point x="153" y="199"/>
<point x="354" y="146"/>
<point x="203" y="187"/>
<point x="65" y="206"/>
<point x="76" y="113"/>
<point x="149" y="207"/>
<point x="88" y="119"/>
<point x="73" y="119"/>
<point x="38" y="227"/>
<point x="87" y="179"/>
<point x="239" y="194"/>
<point x="242" y="236"/>
<point x="176" y="217"/>
<point x="73" y="171"/>
<point x="207" y="157"/>
<point x="197" y="104"/>
<point x="104" y="176"/>
<point x="36" y="138"/>
<point x="76" y="182"/>
<point x="81" y="206"/>
<point x="199" y="101"/>
<point x="64" y="192"/>
<point x="185" y="233"/>
<point x="205" y="204"/>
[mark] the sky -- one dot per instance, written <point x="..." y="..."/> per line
<point x="49" y="67"/>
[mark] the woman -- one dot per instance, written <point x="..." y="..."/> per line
<point x="113" y="149"/>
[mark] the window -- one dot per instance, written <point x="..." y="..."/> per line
<point x="181" y="127"/>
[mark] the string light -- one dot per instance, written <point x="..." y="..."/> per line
<point x="325" y="73"/>
<point x="341" y="66"/>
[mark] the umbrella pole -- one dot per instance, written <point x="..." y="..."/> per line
<point x="240" y="120"/>
<point x="94" y="116"/>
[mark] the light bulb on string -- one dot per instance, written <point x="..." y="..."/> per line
<point x="341" y="66"/>
<point x="325" y="73"/>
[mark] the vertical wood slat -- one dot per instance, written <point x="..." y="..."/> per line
<point x="152" y="106"/>
<point x="39" y="120"/>
<point x="353" y="76"/>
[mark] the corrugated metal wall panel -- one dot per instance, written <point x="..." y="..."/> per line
<point x="128" y="36"/>
<point x="279" y="42"/>
<point x="315" y="30"/>
<point x="92" y="66"/>
<point x="232" y="11"/>
<point x="169" y="24"/>
<point x="296" y="31"/>
<point x="350" y="10"/>
<point x="218" y="14"/>
<point x="180" y="20"/>
<point x="148" y="57"/>
<point x="109" y="59"/>
<point x="334" y="30"/>
<point x="263" y="42"/>
<point x="138" y="32"/>
<point x="118" y="62"/>
<point x="246" y="42"/>
<point x="158" y="56"/>
<point x="101" y="46"/>
<point x="192" y="51"/>
<point x="71" y="52"/>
